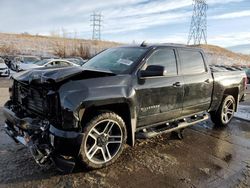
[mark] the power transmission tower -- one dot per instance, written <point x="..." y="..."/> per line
<point x="198" y="28"/>
<point x="96" y="20"/>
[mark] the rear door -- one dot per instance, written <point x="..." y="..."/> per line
<point x="198" y="81"/>
<point x="160" y="98"/>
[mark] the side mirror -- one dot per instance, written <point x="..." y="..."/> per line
<point x="152" y="71"/>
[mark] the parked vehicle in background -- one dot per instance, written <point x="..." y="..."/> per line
<point x="47" y="63"/>
<point x="20" y="61"/>
<point x="237" y="68"/>
<point x="49" y="57"/>
<point x="4" y="70"/>
<point x="77" y="60"/>
<point x="248" y="75"/>
<point x="224" y="68"/>
<point x="8" y="59"/>
<point x="90" y="113"/>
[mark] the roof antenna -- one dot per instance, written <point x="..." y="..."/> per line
<point x="143" y="44"/>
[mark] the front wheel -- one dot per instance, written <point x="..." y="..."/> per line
<point x="225" y="113"/>
<point x="104" y="138"/>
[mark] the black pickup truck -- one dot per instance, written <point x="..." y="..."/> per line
<point x="89" y="113"/>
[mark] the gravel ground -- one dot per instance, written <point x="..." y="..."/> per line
<point x="206" y="157"/>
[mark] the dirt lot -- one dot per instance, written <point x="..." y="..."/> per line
<point x="206" y="157"/>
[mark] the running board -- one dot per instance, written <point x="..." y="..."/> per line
<point x="179" y="126"/>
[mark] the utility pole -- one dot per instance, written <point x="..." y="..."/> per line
<point x="96" y="20"/>
<point x="198" y="27"/>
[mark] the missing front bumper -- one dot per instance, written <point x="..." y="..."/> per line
<point x="46" y="143"/>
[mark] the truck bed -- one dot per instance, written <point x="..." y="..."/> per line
<point x="226" y="79"/>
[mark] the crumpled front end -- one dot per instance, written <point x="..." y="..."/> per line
<point x="34" y="119"/>
<point x="32" y="133"/>
<point x="45" y="110"/>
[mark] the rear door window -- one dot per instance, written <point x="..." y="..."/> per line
<point x="192" y="62"/>
<point x="57" y="64"/>
<point x="166" y="58"/>
<point x="64" y="63"/>
<point x="51" y="64"/>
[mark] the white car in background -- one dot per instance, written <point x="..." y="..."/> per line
<point x="46" y="63"/>
<point x="77" y="60"/>
<point x="4" y="70"/>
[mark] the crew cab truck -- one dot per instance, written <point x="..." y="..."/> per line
<point x="89" y="113"/>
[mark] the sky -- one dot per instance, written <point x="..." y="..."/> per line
<point x="125" y="21"/>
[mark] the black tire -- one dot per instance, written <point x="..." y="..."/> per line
<point x="219" y="117"/>
<point x="99" y="148"/>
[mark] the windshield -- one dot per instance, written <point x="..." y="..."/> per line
<point x="116" y="60"/>
<point x="30" y="59"/>
<point x="42" y="62"/>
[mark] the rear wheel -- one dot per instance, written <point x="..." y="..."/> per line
<point x="103" y="141"/>
<point x="225" y="113"/>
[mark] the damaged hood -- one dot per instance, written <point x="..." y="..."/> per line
<point x="56" y="75"/>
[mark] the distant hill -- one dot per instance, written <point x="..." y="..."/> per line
<point x="244" y="49"/>
<point x="25" y="44"/>
<point x="222" y="56"/>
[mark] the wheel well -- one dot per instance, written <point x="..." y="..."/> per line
<point x="121" y="109"/>
<point x="234" y="92"/>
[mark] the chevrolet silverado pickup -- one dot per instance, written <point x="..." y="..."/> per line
<point x="89" y="113"/>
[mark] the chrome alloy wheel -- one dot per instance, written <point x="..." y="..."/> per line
<point x="103" y="141"/>
<point x="228" y="111"/>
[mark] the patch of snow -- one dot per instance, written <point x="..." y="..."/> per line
<point x="243" y="112"/>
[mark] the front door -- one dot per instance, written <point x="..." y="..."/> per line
<point x="160" y="98"/>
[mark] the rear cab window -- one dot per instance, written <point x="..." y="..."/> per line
<point x="192" y="62"/>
